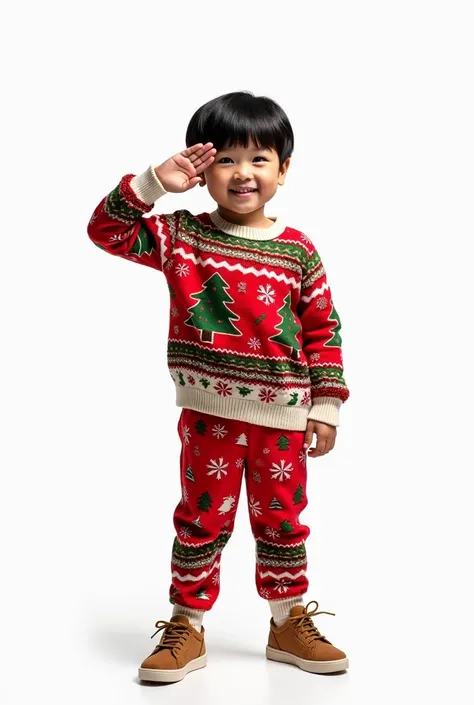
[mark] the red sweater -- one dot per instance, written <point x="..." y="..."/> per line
<point x="253" y="331"/>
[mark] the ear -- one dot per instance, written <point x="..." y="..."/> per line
<point x="283" y="169"/>
<point x="203" y="180"/>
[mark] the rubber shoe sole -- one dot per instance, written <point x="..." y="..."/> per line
<point x="305" y="664"/>
<point x="173" y="675"/>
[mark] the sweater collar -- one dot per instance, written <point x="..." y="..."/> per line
<point x="273" y="231"/>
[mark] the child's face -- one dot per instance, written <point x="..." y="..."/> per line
<point x="251" y="167"/>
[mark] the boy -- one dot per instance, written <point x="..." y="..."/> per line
<point x="254" y="350"/>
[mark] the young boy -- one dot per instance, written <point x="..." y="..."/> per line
<point x="254" y="350"/>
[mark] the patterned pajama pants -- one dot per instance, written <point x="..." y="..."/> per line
<point x="216" y="453"/>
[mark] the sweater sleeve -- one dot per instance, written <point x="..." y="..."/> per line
<point x="118" y="224"/>
<point x="321" y="328"/>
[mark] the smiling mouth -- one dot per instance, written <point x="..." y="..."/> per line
<point x="243" y="193"/>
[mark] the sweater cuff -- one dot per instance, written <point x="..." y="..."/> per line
<point x="147" y="186"/>
<point x="326" y="410"/>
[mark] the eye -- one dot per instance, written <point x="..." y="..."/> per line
<point x="222" y="160"/>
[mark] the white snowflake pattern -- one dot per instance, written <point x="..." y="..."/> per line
<point x="254" y="506"/>
<point x="176" y="330"/>
<point x="242" y="287"/>
<point x="186" y="434"/>
<point x="255" y="343"/>
<point x="265" y="593"/>
<point x="314" y="357"/>
<point x="239" y="462"/>
<point x="281" y="585"/>
<point x="266" y="450"/>
<point x="302" y="457"/>
<point x="322" y="303"/>
<point x="217" y="468"/>
<point x="185" y="496"/>
<point x="185" y="532"/>
<point x="306" y="239"/>
<point x="257" y="477"/>
<point x="196" y="450"/>
<point x="216" y="579"/>
<point x="283" y="472"/>
<point x="266" y="294"/>
<point x="174" y="312"/>
<point x="219" y="431"/>
<point x="272" y="533"/>
<point x="182" y="270"/>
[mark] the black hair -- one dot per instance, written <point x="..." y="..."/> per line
<point x="235" y="118"/>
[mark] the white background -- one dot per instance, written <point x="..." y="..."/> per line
<point x="380" y="96"/>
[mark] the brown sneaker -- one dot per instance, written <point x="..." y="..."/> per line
<point x="181" y="650"/>
<point x="300" y="643"/>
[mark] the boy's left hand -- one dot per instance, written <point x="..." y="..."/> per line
<point x="325" y="441"/>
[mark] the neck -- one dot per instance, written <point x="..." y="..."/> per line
<point x="256" y="219"/>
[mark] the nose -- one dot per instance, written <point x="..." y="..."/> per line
<point x="243" y="171"/>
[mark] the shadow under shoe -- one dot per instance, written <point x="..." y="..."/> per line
<point x="299" y="642"/>
<point x="181" y="650"/>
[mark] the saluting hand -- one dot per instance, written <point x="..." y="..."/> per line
<point x="182" y="171"/>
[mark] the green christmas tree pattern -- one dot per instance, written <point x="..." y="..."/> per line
<point x="288" y="329"/>
<point x="283" y="442"/>
<point x="205" y="502"/>
<point x="298" y="496"/>
<point x="336" y="340"/>
<point x="286" y="526"/>
<point x="211" y="314"/>
<point x="200" y="427"/>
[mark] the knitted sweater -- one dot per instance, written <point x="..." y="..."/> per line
<point x="253" y="331"/>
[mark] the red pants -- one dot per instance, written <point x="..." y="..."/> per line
<point x="215" y="455"/>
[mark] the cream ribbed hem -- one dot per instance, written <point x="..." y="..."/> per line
<point x="325" y="409"/>
<point x="273" y="231"/>
<point x="147" y="186"/>
<point x="289" y="418"/>
<point x="281" y="608"/>
<point x="195" y="616"/>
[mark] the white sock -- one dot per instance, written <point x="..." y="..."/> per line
<point x="195" y="616"/>
<point x="281" y="608"/>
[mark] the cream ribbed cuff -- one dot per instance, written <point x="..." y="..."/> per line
<point x="147" y="186"/>
<point x="195" y="616"/>
<point x="325" y="409"/>
<point x="281" y="608"/>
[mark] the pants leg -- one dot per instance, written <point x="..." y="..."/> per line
<point x="212" y="462"/>
<point x="275" y="477"/>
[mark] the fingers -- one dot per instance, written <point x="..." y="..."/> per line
<point x="321" y="448"/>
<point x="201" y="156"/>
<point x="325" y="439"/>
<point x="308" y="436"/>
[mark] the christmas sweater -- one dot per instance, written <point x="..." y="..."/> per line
<point x="253" y="331"/>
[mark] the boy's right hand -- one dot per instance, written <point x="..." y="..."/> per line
<point x="181" y="172"/>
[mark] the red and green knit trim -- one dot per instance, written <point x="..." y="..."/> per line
<point x="189" y="223"/>
<point x="187" y="352"/>
<point x="201" y="550"/>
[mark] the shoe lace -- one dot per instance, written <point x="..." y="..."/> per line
<point x="305" y="624"/>
<point x="174" y="635"/>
